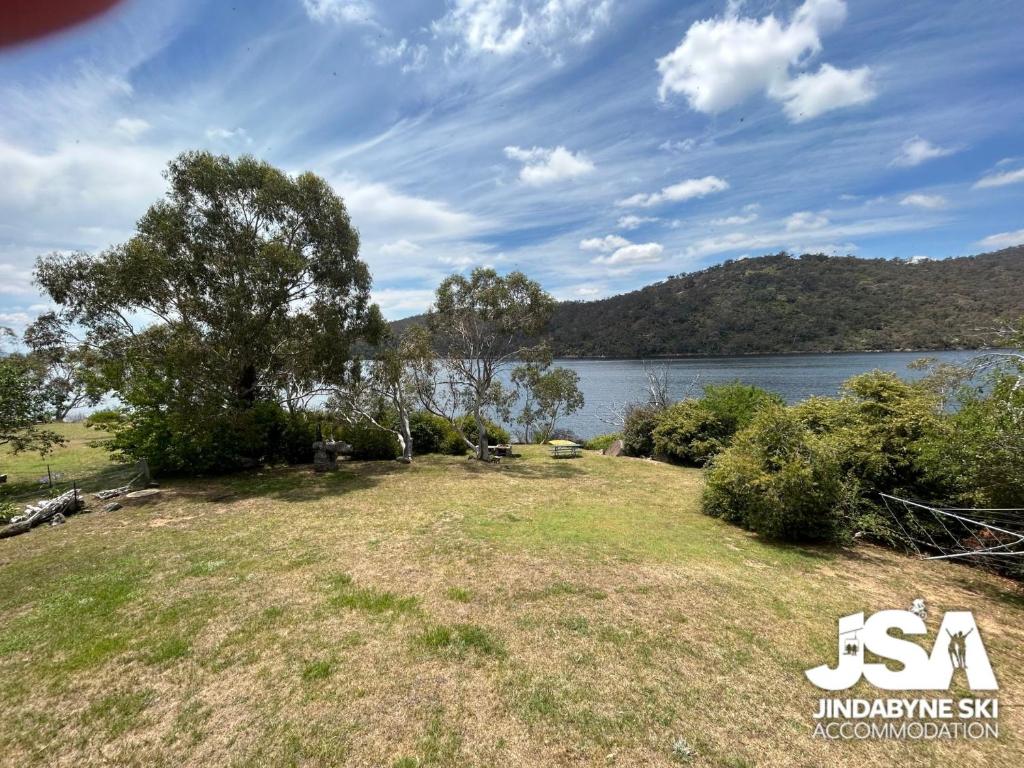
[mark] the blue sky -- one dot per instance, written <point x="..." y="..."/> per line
<point x="598" y="145"/>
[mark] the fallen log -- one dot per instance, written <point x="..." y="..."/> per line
<point x="66" y="504"/>
<point x="113" y="492"/>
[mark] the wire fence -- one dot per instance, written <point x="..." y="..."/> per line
<point x="43" y="479"/>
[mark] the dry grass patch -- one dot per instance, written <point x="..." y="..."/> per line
<point x="533" y="613"/>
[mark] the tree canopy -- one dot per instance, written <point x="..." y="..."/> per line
<point x="482" y="324"/>
<point x="243" y="285"/>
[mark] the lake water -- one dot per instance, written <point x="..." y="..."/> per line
<point x="607" y="383"/>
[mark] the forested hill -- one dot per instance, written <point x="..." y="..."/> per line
<point x="776" y="304"/>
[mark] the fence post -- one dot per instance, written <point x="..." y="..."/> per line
<point x="49" y="476"/>
<point x="144" y="471"/>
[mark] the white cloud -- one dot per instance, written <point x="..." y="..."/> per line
<point x="402" y="302"/>
<point x="804" y="220"/>
<point x="809" y="95"/>
<point x="505" y="27"/>
<point x="722" y="62"/>
<point x="19" y="320"/>
<point x="341" y="11"/>
<point x="622" y="254"/>
<point x="931" y="202"/>
<point x="632" y="255"/>
<point x="71" y="184"/>
<point x="916" y="151"/>
<point x="1003" y="239"/>
<point x="604" y="244"/>
<point x="684" y="190"/>
<point x="228" y="134"/>
<point x="546" y="166"/>
<point x="413" y="57"/>
<point x="734" y="221"/>
<point x="461" y="260"/>
<point x="15" y="279"/>
<point x="400" y="248"/>
<point x="380" y="211"/>
<point x="683" y="145"/>
<point x="130" y="127"/>
<point x="631" y="222"/>
<point x="1000" y="179"/>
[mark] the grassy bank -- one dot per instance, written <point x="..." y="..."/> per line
<point x="80" y="458"/>
<point x="534" y="613"/>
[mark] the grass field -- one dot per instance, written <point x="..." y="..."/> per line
<point x="535" y="613"/>
<point x="80" y="458"/>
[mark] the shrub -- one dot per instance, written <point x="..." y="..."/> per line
<point x="779" y="480"/>
<point x="693" y="431"/>
<point x="106" y="419"/>
<point x="638" y="429"/>
<point x="735" y="405"/>
<point x="370" y="443"/>
<point x="878" y="432"/>
<point x="429" y="432"/>
<point x="689" y="433"/>
<point x="978" y="452"/>
<point x="601" y="442"/>
<point x="496" y="435"/>
<point x="453" y="444"/>
<point x="194" y="442"/>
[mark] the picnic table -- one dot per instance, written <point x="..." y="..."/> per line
<point x="564" y="449"/>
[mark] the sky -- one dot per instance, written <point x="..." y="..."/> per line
<point x="597" y="145"/>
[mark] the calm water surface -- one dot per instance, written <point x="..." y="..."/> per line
<point x="607" y="383"/>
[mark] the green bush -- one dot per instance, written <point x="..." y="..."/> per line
<point x="496" y="434"/>
<point x="779" y="480"/>
<point x="689" y="433"/>
<point x="693" y="431"/>
<point x="105" y="419"/>
<point x="879" y="430"/>
<point x="979" y="451"/>
<point x="434" y="434"/>
<point x="370" y="443"/>
<point x="735" y="405"/>
<point x="194" y="442"/>
<point x="601" y="442"/>
<point x="638" y="429"/>
<point x="429" y="432"/>
<point x="453" y="444"/>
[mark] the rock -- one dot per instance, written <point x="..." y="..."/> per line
<point x="111" y="507"/>
<point x="142" y="497"/>
<point x="58" y="519"/>
<point x="615" y="449"/>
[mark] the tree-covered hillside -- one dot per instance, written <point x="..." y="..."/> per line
<point x="814" y="303"/>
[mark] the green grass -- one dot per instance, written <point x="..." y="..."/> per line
<point x="533" y="613"/>
<point x="460" y="639"/>
<point x="368" y="599"/>
<point x="82" y="459"/>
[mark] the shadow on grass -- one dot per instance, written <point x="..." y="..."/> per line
<point x="536" y="469"/>
<point x="1005" y="590"/>
<point x="294" y="484"/>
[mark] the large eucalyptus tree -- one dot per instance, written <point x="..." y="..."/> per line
<point x="481" y="326"/>
<point x="242" y="286"/>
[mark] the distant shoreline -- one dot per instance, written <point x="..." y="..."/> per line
<point x="712" y="356"/>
